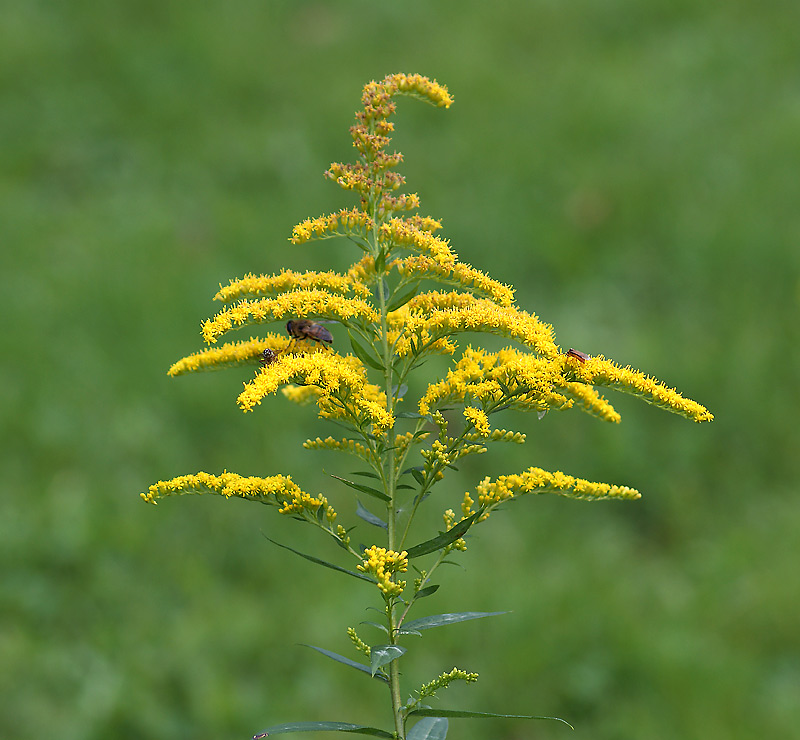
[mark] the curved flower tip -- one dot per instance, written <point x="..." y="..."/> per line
<point x="406" y="84"/>
<point x="600" y="371"/>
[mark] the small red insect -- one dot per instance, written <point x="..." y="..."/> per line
<point x="577" y="354"/>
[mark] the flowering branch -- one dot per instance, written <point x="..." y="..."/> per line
<point x="389" y="305"/>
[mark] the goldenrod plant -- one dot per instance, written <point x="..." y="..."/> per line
<point x="352" y="344"/>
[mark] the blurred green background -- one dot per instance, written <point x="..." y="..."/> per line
<point x="631" y="168"/>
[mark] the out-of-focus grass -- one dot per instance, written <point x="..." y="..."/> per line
<point x="630" y="169"/>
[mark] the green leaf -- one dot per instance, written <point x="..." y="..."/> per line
<point x="409" y="415"/>
<point x="479" y="715"/>
<point x="366" y="474"/>
<point x="419" y="477"/>
<point x="381" y="627"/>
<point x="401" y="391"/>
<point x="353" y="664"/>
<point x="396" y="301"/>
<point x="369" y="517"/>
<point x="322" y="727"/>
<point x="364" y="489"/>
<point x="380" y="263"/>
<point x="381" y="655"/>
<point x="428" y="728"/>
<point x="363" y="354"/>
<point x="440" y="620"/>
<point x="444" y="539"/>
<point x="427" y="591"/>
<point x="325" y="563"/>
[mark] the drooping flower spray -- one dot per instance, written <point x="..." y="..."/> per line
<point x="407" y="298"/>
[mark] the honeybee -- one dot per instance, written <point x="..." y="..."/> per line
<point x="301" y="329"/>
<point x="267" y="357"/>
<point x="577" y="354"/>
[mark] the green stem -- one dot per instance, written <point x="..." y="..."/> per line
<point x="390" y="484"/>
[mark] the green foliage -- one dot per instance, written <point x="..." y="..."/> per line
<point x="640" y="174"/>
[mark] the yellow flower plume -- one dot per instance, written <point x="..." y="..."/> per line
<point x="295" y="304"/>
<point x="490" y="492"/>
<point x="603" y="372"/>
<point x="279" y="490"/>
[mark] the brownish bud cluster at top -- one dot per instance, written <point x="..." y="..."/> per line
<point x="372" y="177"/>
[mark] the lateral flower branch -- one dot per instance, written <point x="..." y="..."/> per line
<point x="406" y="297"/>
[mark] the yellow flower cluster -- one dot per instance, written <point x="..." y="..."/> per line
<point x="424" y="223"/>
<point x="441" y="682"/>
<point x="401" y="444"/>
<point x="450" y="521"/>
<point x="592" y="402"/>
<point x="360" y="645"/>
<point x="364" y="270"/>
<point x="491" y="377"/>
<point x="228" y="355"/>
<point x="431" y="316"/>
<point x="457" y="273"/>
<point x="344" y="445"/>
<point x="279" y="490"/>
<point x="535" y="480"/>
<point x="478" y="419"/>
<point x="301" y="394"/>
<point x="383" y="564"/>
<point x="500" y="435"/>
<point x="399" y="232"/>
<point x="340" y="382"/>
<point x="346" y="222"/>
<point x="444" y="452"/>
<point x="599" y="371"/>
<point x="297" y="303"/>
<point x="257" y="285"/>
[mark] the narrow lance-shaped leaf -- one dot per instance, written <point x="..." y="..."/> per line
<point x="427" y="591"/>
<point x="364" y="489"/>
<point x="366" y="474"/>
<point x="322" y="727"/>
<point x="363" y="354"/>
<point x="428" y="728"/>
<point x="352" y="663"/>
<point x="398" y="300"/>
<point x="399" y="391"/>
<point x="440" y="620"/>
<point x="381" y="655"/>
<point x="444" y="539"/>
<point x="480" y="715"/>
<point x="369" y="517"/>
<point x="324" y="563"/>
